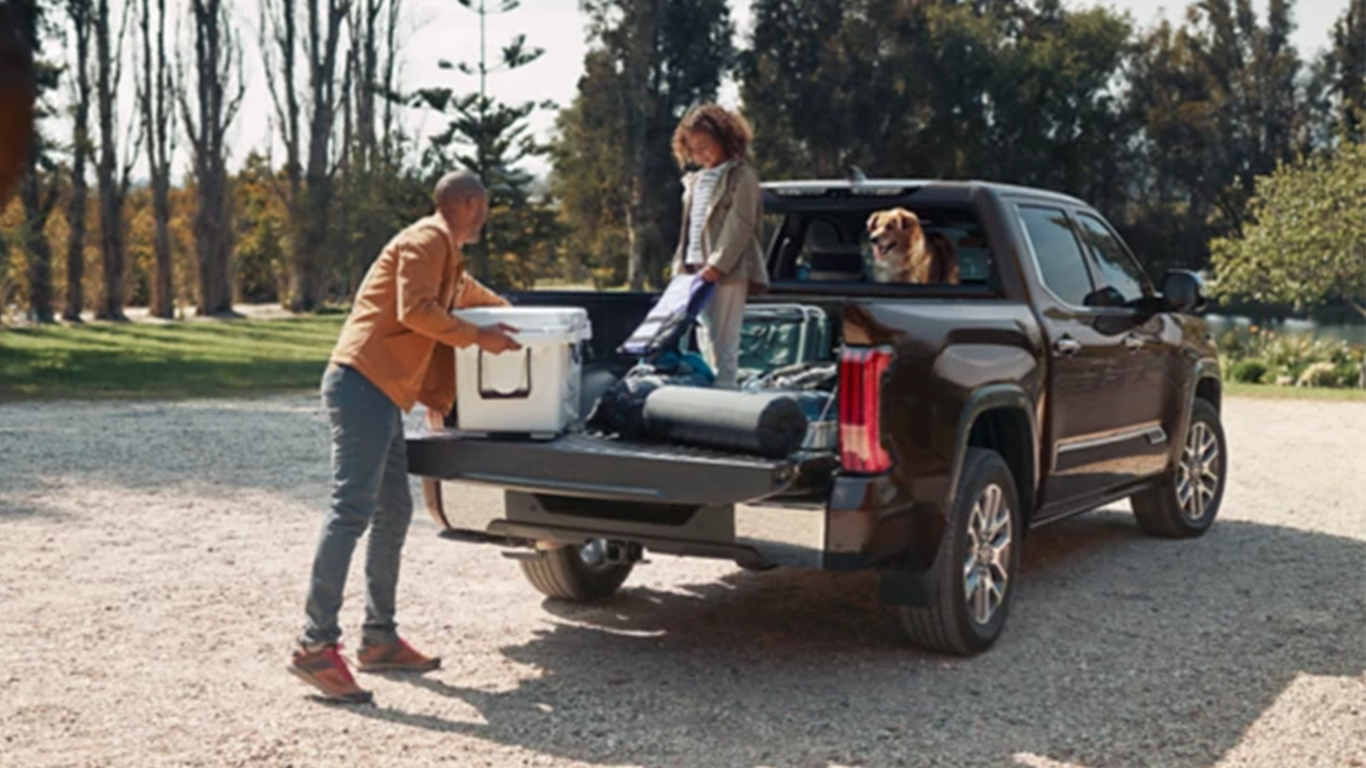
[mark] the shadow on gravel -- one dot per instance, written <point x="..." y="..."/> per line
<point x="1121" y="650"/>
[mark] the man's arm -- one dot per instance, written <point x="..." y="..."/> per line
<point x="418" y="283"/>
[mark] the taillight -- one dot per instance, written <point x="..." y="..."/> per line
<point x="861" y="371"/>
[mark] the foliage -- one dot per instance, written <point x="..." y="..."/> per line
<point x="1283" y="358"/>
<point x="648" y="62"/>
<point x="1248" y="371"/>
<point x="1307" y="241"/>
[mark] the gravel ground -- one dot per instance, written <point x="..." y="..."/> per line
<point x="153" y="561"/>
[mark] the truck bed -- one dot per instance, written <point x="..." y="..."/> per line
<point x="604" y="467"/>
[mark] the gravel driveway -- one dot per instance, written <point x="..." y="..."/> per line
<point x="152" y="567"/>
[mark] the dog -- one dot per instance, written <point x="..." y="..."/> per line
<point x="904" y="253"/>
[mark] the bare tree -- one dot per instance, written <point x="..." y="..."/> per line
<point x="81" y="14"/>
<point x="39" y="195"/>
<point x="113" y="179"/>
<point x="155" y="101"/>
<point x="217" y="71"/>
<point x="310" y="198"/>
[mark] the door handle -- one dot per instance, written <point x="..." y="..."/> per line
<point x="1067" y="346"/>
<point x="1134" y="342"/>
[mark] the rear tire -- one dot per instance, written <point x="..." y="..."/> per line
<point x="1184" y="505"/>
<point x="575" y="573"/>
<point x="973" y="578"/>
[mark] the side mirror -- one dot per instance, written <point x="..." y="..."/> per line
<point x="1181" y="290"/>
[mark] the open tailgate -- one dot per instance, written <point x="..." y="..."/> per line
<point x="601" y="468"/>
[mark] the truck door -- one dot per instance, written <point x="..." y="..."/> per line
<point x="1088" y="425"/>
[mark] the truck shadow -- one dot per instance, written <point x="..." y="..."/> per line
<point x="1121" y="650"/>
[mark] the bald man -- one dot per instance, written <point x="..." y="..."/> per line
<point x="396" y="350"/>
<point x="16" y="98"/>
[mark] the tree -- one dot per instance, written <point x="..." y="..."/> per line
<point x="490" y="138"/>
<point x="41" y="182"/>
<point x="311" y="178"/>
<point x="649" y="61"/>
<point x="113" y="179"/>
<point x="156" y="95"/>
<point x="1306" y="240"/>
<point x="1344" y="68"/>
<point x="81" y="14"/>
<point x="217" y="56"/>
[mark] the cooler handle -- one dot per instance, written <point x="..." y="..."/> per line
<point x="518" y="394"/>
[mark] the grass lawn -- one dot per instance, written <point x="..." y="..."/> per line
<point x="239" y="357"/>
<point x="175" y="360"/>
<point x="1272" y="391"/>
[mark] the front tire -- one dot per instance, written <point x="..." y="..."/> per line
<point x="1185" y="503"/>
<point x="577" y="573"/>
<point x="975" y="574"/>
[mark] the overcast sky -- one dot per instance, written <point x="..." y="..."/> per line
<point x="443" y="29"/>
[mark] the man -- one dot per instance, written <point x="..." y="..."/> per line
<point x="396" y="349"/>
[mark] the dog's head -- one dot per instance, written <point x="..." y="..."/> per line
<point x="894" y="233"/>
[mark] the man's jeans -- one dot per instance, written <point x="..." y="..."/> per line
<point x="370" y="488"/>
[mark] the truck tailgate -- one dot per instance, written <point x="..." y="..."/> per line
<point x="601" y="468"/>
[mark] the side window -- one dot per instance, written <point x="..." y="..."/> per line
<point x="1060" y="258"/>
<point x="1117" y="268"/>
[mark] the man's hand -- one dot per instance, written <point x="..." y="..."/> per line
<point x="711" y="274"/>
<point x="435" y="421"/>
<point x="495" y="339"/>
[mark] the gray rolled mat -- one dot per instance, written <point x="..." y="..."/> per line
<point x="767" y="424"/>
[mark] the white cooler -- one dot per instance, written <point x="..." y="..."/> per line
<point x="534" y="390"/>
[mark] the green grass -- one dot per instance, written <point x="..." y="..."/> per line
<point x="1274" y="392"/>
<point x="177" y="360"/>
<point x="240" y="357"/>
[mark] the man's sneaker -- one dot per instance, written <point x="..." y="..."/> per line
<point x="395" y="657"/>
<point x="326" y="670"/>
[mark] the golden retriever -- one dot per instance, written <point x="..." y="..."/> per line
<point x="904" y="253"/>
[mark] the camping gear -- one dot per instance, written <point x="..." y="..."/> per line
<point x="767" y="424"/>
<point x="671" y="318"/>
<point x="533" y="390"/>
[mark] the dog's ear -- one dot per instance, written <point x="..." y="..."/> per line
<point x="905" y="219"/>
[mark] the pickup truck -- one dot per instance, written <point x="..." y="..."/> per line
<point x="1052" y="379"/>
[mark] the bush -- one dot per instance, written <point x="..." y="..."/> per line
<point x="1249" y="371"/>
<point x="1321" y="374"/>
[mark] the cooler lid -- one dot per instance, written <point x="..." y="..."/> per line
<point x="536" y="325"/>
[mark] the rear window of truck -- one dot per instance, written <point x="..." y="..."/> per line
<point x="832" y="246"/>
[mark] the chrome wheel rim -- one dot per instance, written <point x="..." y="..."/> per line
<point x="1197" y="480"/>
<point x="986" y="567"/>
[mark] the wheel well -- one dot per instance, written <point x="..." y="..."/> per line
<point x="1007" y="432"/>
<point x="1208" y="389"/>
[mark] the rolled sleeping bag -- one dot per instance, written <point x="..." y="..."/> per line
<point x="768" y="424"/>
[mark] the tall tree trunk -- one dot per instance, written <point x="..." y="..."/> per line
<point x="111" y="191"/>
<point x="280" y="36"/>
<point x="216" y="57"/>
<point x="154" y="95"/>
<point x="80" y="12"/>
<point x="311" y="249"/>
<point x="37" y="207"/>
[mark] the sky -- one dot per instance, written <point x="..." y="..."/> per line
<point x="443" y="29"/>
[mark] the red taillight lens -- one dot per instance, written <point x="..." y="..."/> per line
<point x="861" y="371"/>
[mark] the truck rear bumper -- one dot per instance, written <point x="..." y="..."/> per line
<point x="757" y="534"/>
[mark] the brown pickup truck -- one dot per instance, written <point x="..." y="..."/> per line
<point x="1052" y="379"/>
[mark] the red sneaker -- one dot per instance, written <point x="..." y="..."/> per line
<point x="396" y="657"/>
<point x="326" y="670"/>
